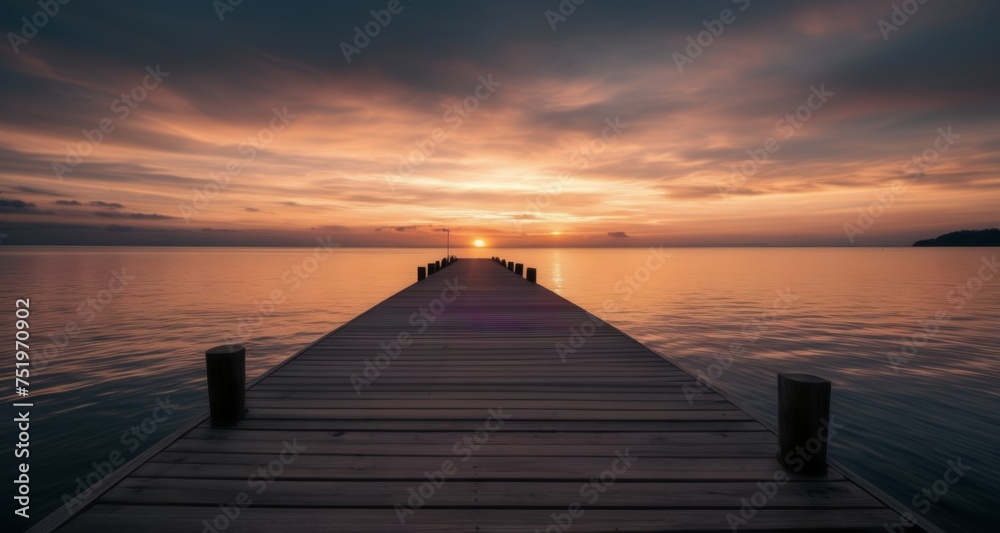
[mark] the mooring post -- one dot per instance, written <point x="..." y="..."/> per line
<point x="803" y="423"/>
<point x="437" y="266"/>
<point x="430" y="268"/>
<point x="503" y="262"/>
<point x="421" y="273"/>
<point x="510" y="266"/>
<point x="519" y="268"/>
<point x="227" y="393"/>
<point x="532" y="275"/>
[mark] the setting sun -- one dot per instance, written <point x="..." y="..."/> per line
<point x="479" y="243"/>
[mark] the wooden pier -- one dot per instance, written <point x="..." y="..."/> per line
<point x="448" y="407"/>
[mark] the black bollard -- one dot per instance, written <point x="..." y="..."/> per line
<point x="226" y="369"/>
<point x="803" y="423"/>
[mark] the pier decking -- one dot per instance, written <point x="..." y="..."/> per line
<point x="476" y="425"/>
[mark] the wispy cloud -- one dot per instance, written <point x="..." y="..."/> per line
<point x="14" y="206"/>
<point x="135" y="216"/>
<point x="113" y="205"/>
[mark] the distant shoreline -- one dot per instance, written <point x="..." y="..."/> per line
<point x="982" y="237"/>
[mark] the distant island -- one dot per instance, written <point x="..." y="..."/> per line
<point x="965" y="237"/>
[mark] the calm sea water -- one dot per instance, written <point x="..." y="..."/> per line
<point x="123" y="331"/>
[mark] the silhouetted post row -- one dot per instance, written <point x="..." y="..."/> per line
<point x="530" y="274"/>
<point x="432" y="268"/>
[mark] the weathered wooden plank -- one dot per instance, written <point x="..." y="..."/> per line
<point x="478" y="414"/>
<point x="494" y="450"/>
<point x="184" y="519"/>
<point x="501" y="437"/>
<point x="510" y="426"/>
<point x="485" y="378"/>
<point x="343" y="385"/>
<point x="334" y="494"/>
<point x="476" y="395"/>
<point x="573" y="405"/>
<point x="197" y="465"/>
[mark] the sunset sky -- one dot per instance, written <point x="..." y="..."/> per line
<point x="488" y="118"/>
